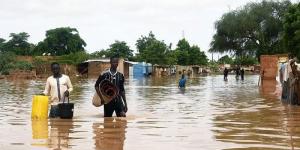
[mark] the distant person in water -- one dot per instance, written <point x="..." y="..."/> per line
<point x="225" y="74"/>
<point x="242" y="73"/>
<point x="237" y="73"/>
<point x="182" y="82"/>
<point x="58" y="86"/>
<point x="118" y="104"/>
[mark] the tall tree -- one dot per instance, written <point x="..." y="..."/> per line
<point x="156" y="53"/>
<point x="142" y="43"/>
<point x="225" y="60"/>
<point x="18" y="44"/>
<point x="197" y="57"/>
<point x="183" y="48"/>
<point x="61" y="41"/>
<point x="253" y="30"/>
<point x="120" y="49"/>
<point x="2" y="42"/>
<point x="292" y="29"/>
<point x="99" y="54"/>
<point x="190" y="55"/>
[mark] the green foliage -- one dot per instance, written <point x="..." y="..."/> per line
<point x="251" y="31"/>
<point x="2" y="42"/>
<point x="189" y="55"/>
<point x="292" y="29"/>
<point x="73" y="58"/>
<point x="246" y="60"/>
<point x="226" y="60"/>
<point x="6" y="62"/>
<point x="17" y="44"/>
<point x="153" y="51"/>
<point x="143" y="42"/>
<point x="120" y="49"/>
<point x="98" y="54"/>
<point x="156" y="52"/>
<point x="37" y="61"/>
<point x="171" y="57"/>
<point x="23" y="65"/>
<point x="214" y="66"/>
<point x="197" y="57"/>
<point x="61" y="41"/>
<point x="183" y="48"/>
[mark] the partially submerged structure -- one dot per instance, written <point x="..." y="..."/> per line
<point x="94" y="67"/>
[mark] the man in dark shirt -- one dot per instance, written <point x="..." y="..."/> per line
<point x="118" y="104"/>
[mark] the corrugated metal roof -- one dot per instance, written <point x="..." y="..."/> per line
<point x="97" y="60"/>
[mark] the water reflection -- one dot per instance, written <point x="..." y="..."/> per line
<point x="209" y="114"/>
<point x="39" y="132"/>
<point x="110" y="134"/>
<point x="59" y="133"/>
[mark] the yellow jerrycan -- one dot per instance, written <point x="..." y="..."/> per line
<point x="39" y="107"/>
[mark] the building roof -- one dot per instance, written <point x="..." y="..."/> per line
<point x="97" y="60"/>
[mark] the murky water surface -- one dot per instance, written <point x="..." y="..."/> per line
<point x="209" y="114"/>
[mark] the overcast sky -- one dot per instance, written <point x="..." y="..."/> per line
<point x="101" y="22"/>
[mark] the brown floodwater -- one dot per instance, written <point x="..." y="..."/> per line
<point x="209" y="114"/>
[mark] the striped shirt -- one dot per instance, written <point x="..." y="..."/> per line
<point x="117" y="79"/>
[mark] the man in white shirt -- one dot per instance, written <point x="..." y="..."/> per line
<point x="58" y="86"/>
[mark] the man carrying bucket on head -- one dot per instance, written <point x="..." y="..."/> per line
<point x="58" y="86"/>
<point x="118" y="103"/>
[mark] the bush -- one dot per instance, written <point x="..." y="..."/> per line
<point x="73" y="58"/>
<point x="23" y="65"/>
<point x="6" y="62"/>
<point x="37" y="61"/>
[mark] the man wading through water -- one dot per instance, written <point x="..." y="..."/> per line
<point x="58" y="86"/>
<point x="118" y="104"/>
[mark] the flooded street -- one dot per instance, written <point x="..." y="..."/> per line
<point x="208" y="114"/>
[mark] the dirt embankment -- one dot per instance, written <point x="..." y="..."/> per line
<point x="41" y="70"/>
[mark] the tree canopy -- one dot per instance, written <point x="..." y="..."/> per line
<point x="292" y="30"/>
<point x="61" y="41"/>
<point x="120" y="49"/>
<point x="190" y="55"/>
<point x="17" y="44"/>
<point x="253" y="30"/>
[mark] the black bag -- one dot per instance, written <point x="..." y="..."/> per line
<point x="54" y="112"/>
<point x="66" y="109"/>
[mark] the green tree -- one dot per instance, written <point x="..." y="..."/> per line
<point x="74" y="58"/>
<point x="225" y="60"/>
<point x="99" y="54"/>
<point x="120" y="49"/>
<point x="7" y="60"/>
<point x="142" y="43"/>
<point x="182" y="49"/>
<point x="2" y="42"/>
<point x="156" y="53"/>
<point x="252" y="30"/>
<point x="171" y="57"/>
<point x="190" y="55"/>
<point x="18" y="44"/>
<point x="197" y="57"/>
<point x="292" y="30"/>
<point x="61" y="41"/>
